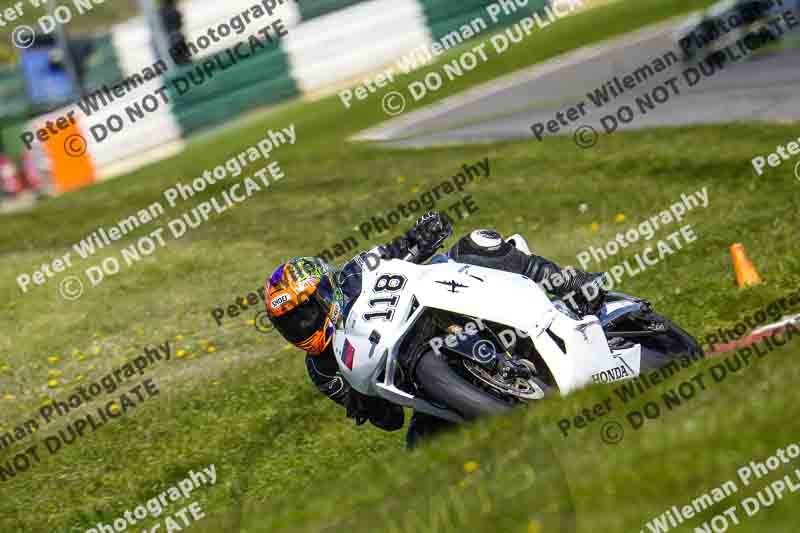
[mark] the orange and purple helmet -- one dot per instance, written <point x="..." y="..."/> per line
<point x="304" y="302"/>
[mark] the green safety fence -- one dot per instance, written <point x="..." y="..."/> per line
<point x="200" y="100"/>
<point x="310" y="9"/>
<point x="445" y="16"/>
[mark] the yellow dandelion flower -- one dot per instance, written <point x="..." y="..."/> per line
<point x="470" y="467"/>
<point x="9" y="397"/>
<point x="178" y="337"/>
<point x="53" y="383"/>
<point x="53" y="373"/>
<point x="115" y="408"/>
<point x="414" y="189"/>
<point x="619" y="218"/>
<point x="53" y="359"/>
<point x="595" y="227"/>
<point x="401" y="179"/>
<point x="211" y="349"/>
<point x="251" y="322"/>
<point x="180" y="354"/>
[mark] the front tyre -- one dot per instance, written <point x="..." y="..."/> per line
<point x="443" y="385"/>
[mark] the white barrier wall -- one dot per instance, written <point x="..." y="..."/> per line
<point x="353" y="41"/>
<point x="200" y="15"/>
<point x="133" y="46"/>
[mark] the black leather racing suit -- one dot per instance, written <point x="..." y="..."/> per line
<point x="480" y="248"/>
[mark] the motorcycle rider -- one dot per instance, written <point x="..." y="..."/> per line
<point x="306" y="298"/>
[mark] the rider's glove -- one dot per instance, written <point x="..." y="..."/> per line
<point x="421" y="242"/>
<point x="356" y="408"/>
<point x="378" y="411"/>
<point x="429" y="233"/>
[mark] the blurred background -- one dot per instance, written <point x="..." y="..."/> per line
<point x="330" y="43"/>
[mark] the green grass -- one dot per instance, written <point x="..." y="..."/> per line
<point x="287" y="459"/>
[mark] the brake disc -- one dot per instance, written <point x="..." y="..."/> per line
<point x="525" y="389"/>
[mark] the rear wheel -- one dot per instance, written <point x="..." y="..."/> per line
<point x="443" y="385"/>
<point x="670" y="344"/>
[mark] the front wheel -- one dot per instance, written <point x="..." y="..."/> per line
<point x="443" y="385"/>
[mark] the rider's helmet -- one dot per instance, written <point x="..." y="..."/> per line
<point x="304" y="302"/>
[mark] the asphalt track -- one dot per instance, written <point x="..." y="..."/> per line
<point x="764" y="86"/>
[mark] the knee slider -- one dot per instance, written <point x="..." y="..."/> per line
<point x="486" y="239"/>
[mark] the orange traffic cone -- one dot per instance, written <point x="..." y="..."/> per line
<point x="746" y="273"/>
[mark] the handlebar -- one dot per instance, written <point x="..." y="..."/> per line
<point x="412" y="253"/>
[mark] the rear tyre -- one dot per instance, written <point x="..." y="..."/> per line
<point x="660" y="350"/>
<point x="443" y="385"/>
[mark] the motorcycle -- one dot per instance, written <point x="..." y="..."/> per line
<point x="459" y="341"/>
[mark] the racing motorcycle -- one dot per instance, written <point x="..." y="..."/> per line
<point x="460" y="341"/>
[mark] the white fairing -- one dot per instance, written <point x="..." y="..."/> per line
<point x="486" y="294"/>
